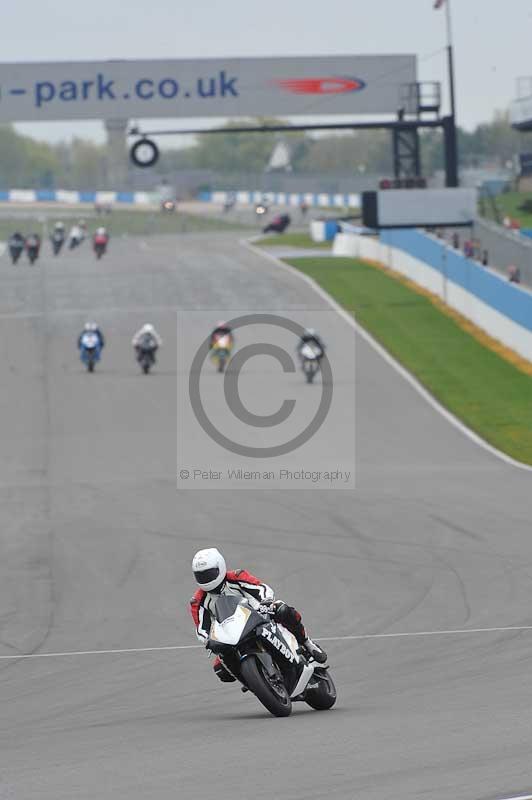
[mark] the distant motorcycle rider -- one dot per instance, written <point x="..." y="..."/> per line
<point x="214" y="578"/>
<point x="312" y="337"/>
<point x="91" y="327"/>
<point x="75" y="236"/>
<point x="57" y="237"/>
<point x="146" y="338"/>
<point x="16" y="244"/>
<point x="101" y="236"/>
<point x="221" y="329"/>
<point x="16" y="240"/>
<point x="33" y="246"/>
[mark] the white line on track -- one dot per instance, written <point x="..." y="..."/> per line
<point x="521" y="797"/>
<point x="349" y="638"/>
<point x="408" y="376"/>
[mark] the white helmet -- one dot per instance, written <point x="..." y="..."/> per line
<point x="91" y="326"/>
<point x="148" y="328"/>
<point x="209" y="569"/>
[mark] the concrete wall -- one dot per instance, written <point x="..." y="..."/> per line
<point x="498" y="307"/>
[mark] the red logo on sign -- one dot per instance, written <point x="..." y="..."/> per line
<point x="332" y="85"/>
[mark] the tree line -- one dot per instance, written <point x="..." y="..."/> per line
<point x="81" y="164"/>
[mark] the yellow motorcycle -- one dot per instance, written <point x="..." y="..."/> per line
<point x="221" y="351"/>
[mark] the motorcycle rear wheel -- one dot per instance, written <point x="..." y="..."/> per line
<point x="90" y="365"/>
<point x="257" y="681"/>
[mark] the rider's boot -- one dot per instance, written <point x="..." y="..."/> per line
<point x="315" y="651"/>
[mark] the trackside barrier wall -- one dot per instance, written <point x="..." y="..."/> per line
<point x="73" y="197"/>
<point x="292" y="199"/>
<point x="501" y="309"/>
<point x="323" y="230"/>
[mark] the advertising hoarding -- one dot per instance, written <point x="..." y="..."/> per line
<point x="218" y="87"/>
<point x="419" y="208"/>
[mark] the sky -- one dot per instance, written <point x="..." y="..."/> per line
<point x="491" y="39"/>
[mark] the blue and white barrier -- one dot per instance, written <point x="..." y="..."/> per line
<point x="73" y="198"/>
<point x="501" y="309"/>
<point x="292" y="199"/>
<point x="323" y="230"/>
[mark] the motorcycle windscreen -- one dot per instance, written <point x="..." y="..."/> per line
<point x="310" y="352"/>
<point x="234" y="620"/>
<point x="225" y="606"/>
<point x="223" y="343"/>
<point x="89" y="341"/>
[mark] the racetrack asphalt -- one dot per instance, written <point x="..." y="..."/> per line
<point x="96" y="545"/>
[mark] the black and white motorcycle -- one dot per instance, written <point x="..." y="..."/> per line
<point x="310" y="360"/>
<point x="266" y="658"/>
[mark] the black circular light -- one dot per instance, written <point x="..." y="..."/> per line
<point x="144" y="153"/>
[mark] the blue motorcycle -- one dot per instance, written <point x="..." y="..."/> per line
<point x="90" y="349"/>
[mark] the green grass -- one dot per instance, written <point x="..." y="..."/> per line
<point x="488" y="393"/>
<point x="292" y="240"/>
<point x="509" y="206"/>
<point x="119" y="222"/>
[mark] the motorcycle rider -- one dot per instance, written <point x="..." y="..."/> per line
<point x="75" y="236"/>
<point x="311" y="337"/>
<point x="214" y="578"/>
<point x="101" y="236"/>
<point x="58" y="236"/>
<point x="148" y="338"/>
<point x="221" y="329"/>
<point x="16" y="243"/>
<point x="91" y="327"/>
<point x="33" y="242"/>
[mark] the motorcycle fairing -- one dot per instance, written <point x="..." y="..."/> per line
<point x="89" y="341"/>
<point x="275" y="646"/>
<point x="234" y="620"/>
<point x="309" y="352"/>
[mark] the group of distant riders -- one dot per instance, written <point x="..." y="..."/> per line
<point x="31" y="243"/>
<point x="147" y="341"/>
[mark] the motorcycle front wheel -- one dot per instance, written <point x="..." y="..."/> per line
<point x="273" y="697"/>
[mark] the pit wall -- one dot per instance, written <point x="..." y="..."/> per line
<point x="293" y="200"/>
<point x="501" y="309"/>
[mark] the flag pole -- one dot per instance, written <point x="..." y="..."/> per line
<point x="449" y="128"/>
<point x="450" y="57"/>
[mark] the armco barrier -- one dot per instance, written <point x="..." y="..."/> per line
<point x="498" y="307"/>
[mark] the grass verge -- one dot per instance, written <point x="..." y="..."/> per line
<point x="492" y="396"/>
<point x="119" y="222"/>
<point x="510" y="204"/>
<point x="292" y="240"/>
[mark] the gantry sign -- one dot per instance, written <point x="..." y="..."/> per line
<point x="218" y="87"/>
<point x="118" y="91"/>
